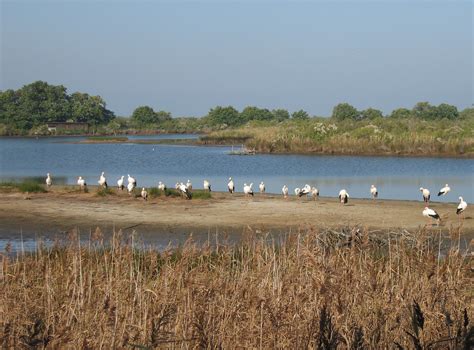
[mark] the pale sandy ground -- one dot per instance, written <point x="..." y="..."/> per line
<point x="60" y="211"/>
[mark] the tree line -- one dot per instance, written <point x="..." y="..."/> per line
<point x="38" y="103"/>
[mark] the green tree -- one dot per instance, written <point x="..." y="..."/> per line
<point x="90" y="109"/>
<point x="446" y="111"/>
<point x="400" y="113"/>
<point x="280" y="114"/>
<point x="40" y="102"/>
<point x="345" y="111"/>
<point x="371" y="114"/>
<point x="163" y="116"/>
<point x="144" y="115"/>
<point x="255" y="113"/>
<point x="224" y="115"/>
<point x="423" y="110"/>
<point x="300" y="115"/>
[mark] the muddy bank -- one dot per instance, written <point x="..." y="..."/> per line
<point x="63" y="209"/>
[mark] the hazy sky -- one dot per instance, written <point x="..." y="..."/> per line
<point x="188" y="56"/>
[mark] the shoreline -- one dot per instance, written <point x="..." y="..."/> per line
<point x="60" y="210"/>
<point x="199" y="143"/>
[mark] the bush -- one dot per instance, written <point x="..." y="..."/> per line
<point x="102" y="191"/>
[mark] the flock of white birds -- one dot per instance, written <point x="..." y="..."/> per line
<point x="307" y="190"/>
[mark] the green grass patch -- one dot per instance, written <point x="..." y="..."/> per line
<point x="25" y="186"/>
<point x="102" y="191"/>
<point x="201" y="194"/>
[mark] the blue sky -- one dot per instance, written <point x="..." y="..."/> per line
<point x="188" y="56"/>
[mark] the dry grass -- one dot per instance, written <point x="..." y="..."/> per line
<point x="331" y="289"/>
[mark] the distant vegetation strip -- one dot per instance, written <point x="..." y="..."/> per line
<point x="381" y="136"/>
<point x="329" y="289"/>
<point x="424" y="130"/>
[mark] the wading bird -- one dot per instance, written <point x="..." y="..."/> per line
<point x="248" y="190"/>
<point x="161" y="186"/>
<point x="297" y="191"/>
<point x="49" y="180"/>
<point x="426" y="194"/>
<point x="185" y="191"/>
<point x="430" y="213"/>
<point x="261" y="187"/>
<point x="102" y="180"/>
<point x="304" y="191"/>
<point x="231" y="186"/>
<point x="131" y="180"/>
<point x="444" y="190"/>
<point x="144" y="194"/>
<point x="120" y="183"/>
<point x="284" y="191"/>
<point x="461" y="207"/>
<point x="343" y="196"/>
<point x="189" y="185"/>
<point x="81" y="182"/>
<point x="373" y="192"/>
<point x="130" y="187"/>
<point x="207" y="186"/>
<point x="314" y="193"/>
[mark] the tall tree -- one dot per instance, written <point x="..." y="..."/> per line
<point x="91" y="109"/>
<point x="280" y="114"/>
<point x="300" y="115"/>
<point x="371" y="114"/>
<point x="446" y="111"/>
<point x="345" y="111"/>
<point x="255" y="113"/>
<point x="224" y="115"/>
<point x="400" y="113"/>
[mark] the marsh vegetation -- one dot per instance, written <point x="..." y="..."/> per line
<point x="323" y="289"/>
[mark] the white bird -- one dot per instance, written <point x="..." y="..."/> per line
<point x="189" y="185"/>
<point x="304" y="191"/>
<point x="284" y="191"/>
<point x="426" y="194"/>
<point x="343" y="196"/>
<point x="120" y="183"/>
<point x="430" y="213"/>
<point x="207" y="185"/>
<point x="315" y="193"/>
<point x="49" y="181"/>
<point x="177" y="186"/>
<point x="81" y="182"/>
<point x="297" y="191"/>
<point x="185" y="191"/>
<point x="132" y="180"/>
<point x="261" y="187"/>
<point x="130" y="187"/>
<point x="102" y="180"/>
<point x="444" y="190"/>
<point x="373" y="192"/>
<point x="230" y="185"/>
<point x="248" y="190"/>
<point x="461" y="207"/>
<point x="161" y="186"/>
<point x="144" y="194"/>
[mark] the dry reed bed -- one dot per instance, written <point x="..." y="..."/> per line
<point x="346" y="289"/>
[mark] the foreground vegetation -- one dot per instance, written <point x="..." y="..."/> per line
<point x="346" y="289"/>
<point x="381" y="136"/>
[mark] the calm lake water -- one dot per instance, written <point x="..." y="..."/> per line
<point x="395" y="177"/>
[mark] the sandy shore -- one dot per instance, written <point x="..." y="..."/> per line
<point x="60" y="210"/>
